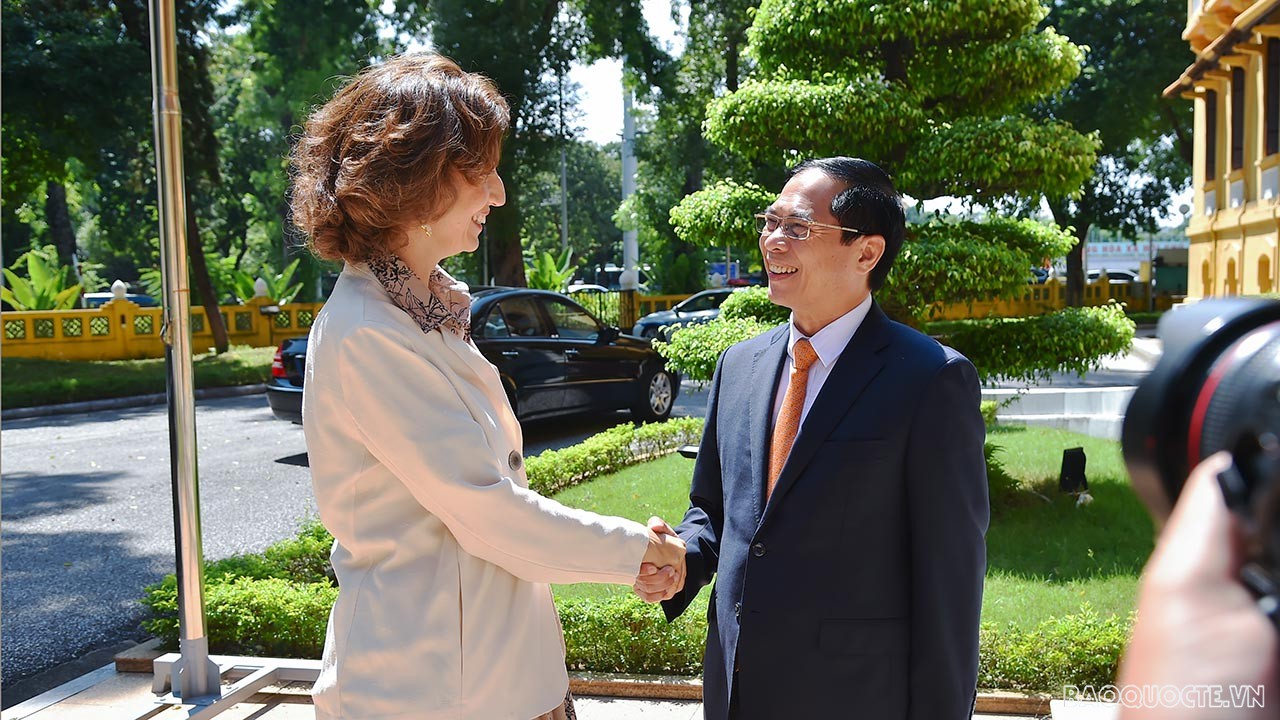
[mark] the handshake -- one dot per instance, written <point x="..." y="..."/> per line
<point x="662" y="571"/>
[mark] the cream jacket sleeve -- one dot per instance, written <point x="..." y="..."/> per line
<point x="415" y="422"/>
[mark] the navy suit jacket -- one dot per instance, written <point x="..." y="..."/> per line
<point x="856" y="590"/>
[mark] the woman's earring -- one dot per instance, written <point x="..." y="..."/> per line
<point x="426" y="229"/>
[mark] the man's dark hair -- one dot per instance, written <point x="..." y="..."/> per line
<point x="869" y="203"/>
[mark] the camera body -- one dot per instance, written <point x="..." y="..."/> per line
<point x="1217" y="387"/>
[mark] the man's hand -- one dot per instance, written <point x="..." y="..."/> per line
<point x="662" y="571"/>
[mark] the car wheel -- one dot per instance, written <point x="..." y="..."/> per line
<point x="657" y="397"/>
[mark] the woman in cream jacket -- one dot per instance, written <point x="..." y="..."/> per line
<point x="443" y="555"/>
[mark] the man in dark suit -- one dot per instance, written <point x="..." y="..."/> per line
<point x="840" y="494"/>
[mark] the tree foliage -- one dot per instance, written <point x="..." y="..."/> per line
<point x="1135" y="48"/>
<point x="931" y="90"/>
<point x="936" y="93"/>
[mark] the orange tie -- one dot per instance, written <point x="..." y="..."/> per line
<point x="784" y="433"/>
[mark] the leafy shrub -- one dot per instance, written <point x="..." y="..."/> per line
<point x="753" y="303"/>
<point x="988" y="409"/>
<point x="276" y="604"/>
<point x="1032" y="348"/>
<point x="1081" y="649"/>
<point x="554" y="470"/>
<point x="623" y="634"/>
<point x="266" y="617"/>
<point x="694" y="350"/>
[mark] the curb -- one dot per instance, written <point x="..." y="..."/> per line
<point x="125" y="402"/>
<point x="647" y="687"/>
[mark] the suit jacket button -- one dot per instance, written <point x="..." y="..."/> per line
<point x="514" y="460"/>
<point x="758" y="549"/>
<point x="737" y="609"/>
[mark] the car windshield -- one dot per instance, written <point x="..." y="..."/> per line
<point x="700" y="302"/>
<point x="571" y="321"/>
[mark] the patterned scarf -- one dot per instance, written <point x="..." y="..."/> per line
<point x="441" y="303"/>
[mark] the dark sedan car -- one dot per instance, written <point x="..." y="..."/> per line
<point x="698" y="308"/>
<point x="553" y="356"/>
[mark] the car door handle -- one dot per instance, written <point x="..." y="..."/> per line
<point x="571" y="353"/>
<point x="510" y="353"/>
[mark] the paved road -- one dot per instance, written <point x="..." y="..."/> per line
<point x="88" y="523"/>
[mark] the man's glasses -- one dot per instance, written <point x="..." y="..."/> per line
<point x="793" y="228"/>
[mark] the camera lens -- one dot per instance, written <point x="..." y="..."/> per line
<point x="1217" y="385"/>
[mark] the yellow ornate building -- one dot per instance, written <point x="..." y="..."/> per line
<point x="1235" y="84"/>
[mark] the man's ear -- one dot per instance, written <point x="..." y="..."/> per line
<point x="871" y="251"/>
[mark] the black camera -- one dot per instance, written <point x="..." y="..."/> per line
<point x="1216" y="387"/>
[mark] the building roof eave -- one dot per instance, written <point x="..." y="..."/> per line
<point x="1241" y="30"/>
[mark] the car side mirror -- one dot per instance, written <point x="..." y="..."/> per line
<point x="608" y="335"/>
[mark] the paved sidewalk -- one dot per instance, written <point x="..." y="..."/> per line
<point x="107" y="695"/>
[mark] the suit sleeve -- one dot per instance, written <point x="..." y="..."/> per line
<point x="704" y="520"/>
<point x="415" y="423"/>
<point x="949" y="512"/>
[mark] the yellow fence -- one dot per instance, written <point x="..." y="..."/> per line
<point x="121" y="330"/>
<point x="1039" y="299"/>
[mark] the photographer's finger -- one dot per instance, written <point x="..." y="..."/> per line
<point x="1199" y="539"/>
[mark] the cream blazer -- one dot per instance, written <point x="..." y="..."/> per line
<point x="442" y="553"/>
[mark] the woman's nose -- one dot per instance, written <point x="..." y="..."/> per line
<point x="497" y="191"/>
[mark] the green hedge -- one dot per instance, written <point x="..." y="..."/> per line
<point x="1082" y="649"/>
<point x="276" y="603"/>
<point x="608" y="452"/>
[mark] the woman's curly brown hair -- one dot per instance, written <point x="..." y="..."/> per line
<point x="382" y="153"/>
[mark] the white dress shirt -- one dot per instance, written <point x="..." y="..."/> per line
<point x="828" y="343"/>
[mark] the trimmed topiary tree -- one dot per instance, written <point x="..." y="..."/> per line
<point x="934" y="93"/>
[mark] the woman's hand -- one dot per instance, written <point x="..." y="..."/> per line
<point x="662" y="572"/>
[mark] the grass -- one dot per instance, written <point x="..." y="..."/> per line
<point x="1046" y="556"/>
<point x="27" y="382"/>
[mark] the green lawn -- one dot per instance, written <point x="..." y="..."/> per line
<point x="1046" y="557"/>
<point x="26" y="382"/>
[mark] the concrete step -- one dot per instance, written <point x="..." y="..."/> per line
<point x="1097" y="412"/>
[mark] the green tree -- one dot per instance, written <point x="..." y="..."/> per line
<point x="1135" y="48"/>
<point x="934" y="92"/>
<point x="95" y="55"/>
<point x="594" y="181"/>
<point x="675" y="159"/>
<point x="523" y="46"/>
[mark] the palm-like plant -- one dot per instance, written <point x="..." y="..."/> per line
<point x="547" y="272"/>
<point x="279" y="288"/>
<point x="47" y="286"/>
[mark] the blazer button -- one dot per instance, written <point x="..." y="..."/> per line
<point x="737" y="609"/>
<point x="514" y="460"/>
<point x="758" y="549"/>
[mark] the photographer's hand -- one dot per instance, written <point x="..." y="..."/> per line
<point x="1197" y="624"/>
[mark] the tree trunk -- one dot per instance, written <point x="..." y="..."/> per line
<point x="506" y="259"/>
<point x="1075" y="257"/>
<point x="59" y="219"/>
<point x="204" y="286"/>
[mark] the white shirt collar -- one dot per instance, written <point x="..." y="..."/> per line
<point x="831" y="340"/>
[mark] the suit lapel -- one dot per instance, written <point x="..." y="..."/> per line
<point x="857" y="366"/>
<point x="766" y="367"/>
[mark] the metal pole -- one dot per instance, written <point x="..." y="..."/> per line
<point x="197" y="676"/>
<point x="564" y="176"/>
<point x="630" y="277"/>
